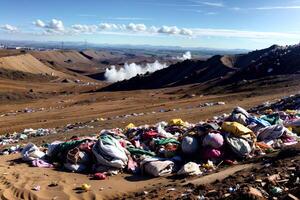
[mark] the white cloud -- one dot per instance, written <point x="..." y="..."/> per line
<point x="172" y="30"/>
<point x="142" y="28"/>
<point x="213" y="4"/>
<point x="136" y="27"/>
<point x="88" y="29"/>
<point x="39" y="23"/>
<point x="153" y="29"/>
<point x="186" y="31"/>
<point x="9" y="28"/>
<point x="54" y="26"/>
<point x="108" y="26"/>
<point x="57" y="27"/>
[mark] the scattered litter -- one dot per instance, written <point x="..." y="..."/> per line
<point x="36" y="188"/>
<point x="85" y="187"/>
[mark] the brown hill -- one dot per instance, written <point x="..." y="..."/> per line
<point x="186" y="72"/>
<point x="61" y="60"/>
<point x="220" y="70"/>
<point x="27" y="63"/>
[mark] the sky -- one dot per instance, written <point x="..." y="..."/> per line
<point x="225" y="24"/>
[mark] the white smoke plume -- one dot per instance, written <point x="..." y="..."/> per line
<point x="186" y="56"/>
<point x="131" y="70"/>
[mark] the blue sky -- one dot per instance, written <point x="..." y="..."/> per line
<point x="189" y="23"/>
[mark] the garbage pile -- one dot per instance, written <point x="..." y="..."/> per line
<point x="276" y="177"/>
<point x="174" y="147"/>
<point x="15" y="138"/>
<point x="291" y="102"/>
<point x="27" y="133"/>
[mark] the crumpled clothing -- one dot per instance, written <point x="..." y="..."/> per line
<point x="77" y="156"/>
<point x="157" y="167"/>
<point x="242" y="111"/>
<point x="165" y="141"/>
<point x="236" y="129"/>
<point x="211" y="153"/>
<point x="108" y="151"/>
<point x="190" y="145"/>
<point x="52" y="148"/>
<point x="132" y="166"/>
<point x="258" y="121"/>
<point x="240" y="118"/>
<point x="59" y="148"/>
<point x="240" y="146"/>
<point x="31" y="152"/>
<point x="272" y="118"/>
<point x="41" y="163"/>
<point x="271" y="133"/>
<point x="201" y="129"/>
<point x="162" y="132"/>
<point x="149" y="134"/>
<point x="292" y="123"/>
<point x="190" y="169"/>
<point x="87" y="146"/>
<point x="138" y="151"/>
<point x="214" y="140"/>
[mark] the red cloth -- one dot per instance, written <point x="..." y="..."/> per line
<point x="100" y="176"/>
<point x="150" y="134"/>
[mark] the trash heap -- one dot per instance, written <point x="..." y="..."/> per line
<point x="276" y="177"/>
<point x="174" y="147"/>
<point x="24" y="135"/>
<point x="291" y="103"/>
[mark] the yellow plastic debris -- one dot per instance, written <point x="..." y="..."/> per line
<point x="236" y="129"/>
<point x="86" y="186"/>
<point x="291" y="112"/>
<point x="130" y="126"/>
<point x="177" y="122"/>
<point x="209" y="165"/>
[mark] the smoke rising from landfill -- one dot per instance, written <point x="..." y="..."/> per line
<point x="186" y="56"/>
<point x="131" y="70"/>
<point x="128" y="71"/>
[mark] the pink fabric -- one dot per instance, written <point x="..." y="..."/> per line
<point x="132" y="165"/>
<point x="214" y="140"/>
<point x="210" y="153"/>
<point x="40" y="163"/>
<point x="136" y="143"/>
<point x="100" y="176"/>
<point x="87" y="146"/>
